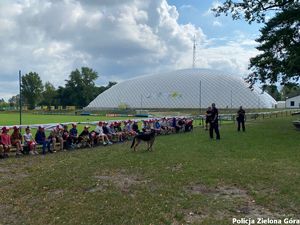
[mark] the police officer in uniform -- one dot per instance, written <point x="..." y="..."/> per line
<point x="207" y="117"/>
<point x="241" y="119"/>
<point x="214" y="122"/>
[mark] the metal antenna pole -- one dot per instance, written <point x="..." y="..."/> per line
<point x="194" y="53"/>
<point x="200" y="103"/>
<point x="20" y="98"/>
<point x="231" y="99"/>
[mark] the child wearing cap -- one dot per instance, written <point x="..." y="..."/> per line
<point x="29" y="142"/>
<point x="113" y="133"/>
<point x="157" y="126"/>
<point x="74" y="134"/>
<point x="40" y="138"/>
<point x="117" y="128"/>
<point x="56" y="136"/>
<point x="135" y="127"/>
<point x="84" y="137"/>
<point x="107" y="133"/>
<point x="16" y="140"/>
<point x="5" y="142"/>
<point x="66" y="137"/>
<point x="128" y="129"/>
<point x="145" y="126"/>
<point x="164" y="126"/>
<point x="100" y="134"/>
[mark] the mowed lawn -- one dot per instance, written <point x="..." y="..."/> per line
<point x="187" y="179"/>
<point x="29" y="118"/>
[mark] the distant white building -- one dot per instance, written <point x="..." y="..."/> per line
<point x="187" y="88"/>
<point x="281" y="105"/>
<point x="293" y="103"/>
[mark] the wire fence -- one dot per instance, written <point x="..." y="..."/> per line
<point x="251" y="116"/>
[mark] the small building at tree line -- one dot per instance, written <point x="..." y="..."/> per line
<point x="293" y="103"/>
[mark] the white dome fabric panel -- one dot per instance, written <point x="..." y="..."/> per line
<point x="186" y="88"/>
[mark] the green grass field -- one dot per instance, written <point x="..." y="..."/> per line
<point x="29" y="118"/>
<point x="187" y="179"/>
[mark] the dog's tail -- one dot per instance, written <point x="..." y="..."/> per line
<point x="133" y="141"/>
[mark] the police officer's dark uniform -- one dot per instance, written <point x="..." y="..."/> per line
<point x="214" y="123"/>
<point x="241" y="119"/>
<point x="207" y="118"/>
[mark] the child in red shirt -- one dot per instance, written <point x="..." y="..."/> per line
<point x="5" y="142"/>
<point x="16" y="140"/>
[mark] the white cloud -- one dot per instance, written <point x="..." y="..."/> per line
<point x="209" y="11"/>
<point x="118" y="40"/>
<point x="217" y="23"/>
<point x="187" y="8"/>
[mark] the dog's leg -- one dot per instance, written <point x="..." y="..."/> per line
<point x="133" y="142"/>
<point x="151" y="144"/>
<point x="137" y="143"/>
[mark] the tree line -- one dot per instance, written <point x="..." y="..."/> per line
<point x="279" y="40"/>
<point x="79" y="90"/>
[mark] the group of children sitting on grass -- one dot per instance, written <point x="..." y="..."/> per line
<point x="104" y="133"/>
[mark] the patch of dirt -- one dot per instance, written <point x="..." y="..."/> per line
<point x="245" y="204"/>
<point x="194" y="218"/>
<point x="57" y="192"/>
<point x="11" y="174"/>
<point x="97" y="188"/>
<point x="200" y="189"/>
<point x="8" y="215"/>
<point x="54" y="194"/>
<point x="122" y="181"/>
<point x="177" y="167"/>
<point x="4" y="170"/>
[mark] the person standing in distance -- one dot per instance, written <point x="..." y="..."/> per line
<point x="214" y="125"/>
<point x="241" y="118"/>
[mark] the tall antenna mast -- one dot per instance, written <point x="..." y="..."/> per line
<point x="194" y="52"/>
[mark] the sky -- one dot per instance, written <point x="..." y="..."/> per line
<point x="118" y="39"/>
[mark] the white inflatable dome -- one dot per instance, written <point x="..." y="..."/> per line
<point x="188" y="88"/>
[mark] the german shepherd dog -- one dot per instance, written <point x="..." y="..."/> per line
<point x="147" y="137"/>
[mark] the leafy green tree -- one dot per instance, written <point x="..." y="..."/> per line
<point x="14" y="101"/>
<point x="81" y="88"/>
<point x="3" y="103"/>
<point x="273" y="91"/>
<point x="290" y="90"/>
<point x="279" y="42"/>
<point x="48" y="95"/>
<point x="253" y="10"/>
<point x="104" y="88"/>
<point x="32" y="88"/>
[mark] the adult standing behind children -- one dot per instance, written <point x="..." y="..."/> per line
<point x="241" y="118"/>
<point x="214" y="125"/>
